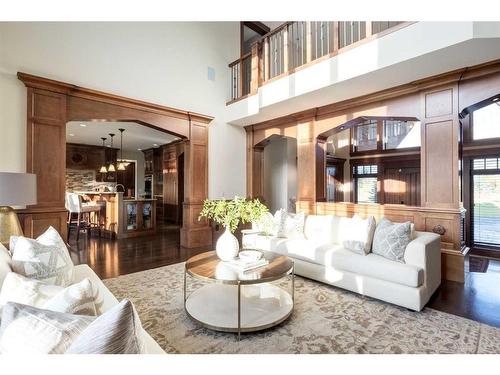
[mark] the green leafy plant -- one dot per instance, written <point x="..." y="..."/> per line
<point x="230" y="213"/>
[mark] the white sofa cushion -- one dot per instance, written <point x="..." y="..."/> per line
<point x="320" y="228"/>
<point x="334" y="255"/>
<point x="357" y="234"/>
<point x="378" y="267"/>
<point x="5" y="263"/>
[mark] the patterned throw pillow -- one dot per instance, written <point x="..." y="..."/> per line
<point x="290" y="225"/>
<point x="391" y="239"/>
<point x="75" y="299"/>
<point x="117" y="331"/>
<point x="357" y="234"/>
<point x="45" y="259"/>
<point x="29" y="330"/>
<point x="267" y="225"/>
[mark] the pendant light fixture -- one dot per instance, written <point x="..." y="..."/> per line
<point x="103" y="168"/>
<point x="121" y="164"/>
<point x="111" y="166"/>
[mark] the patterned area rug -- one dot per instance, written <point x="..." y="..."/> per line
<point x="325" y="320"/>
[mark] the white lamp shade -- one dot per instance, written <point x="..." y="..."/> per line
<point x="17" y="189"/>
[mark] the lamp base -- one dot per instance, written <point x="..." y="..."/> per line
<point x="9" y="225"/>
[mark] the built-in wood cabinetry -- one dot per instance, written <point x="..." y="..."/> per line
<point x="89" y="157"/>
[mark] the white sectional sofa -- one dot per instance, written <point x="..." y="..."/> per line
<point x="319" y="255"/>
<point x="105" y="299"/>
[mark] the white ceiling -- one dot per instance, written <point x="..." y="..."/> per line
<point x="135" y="136"/>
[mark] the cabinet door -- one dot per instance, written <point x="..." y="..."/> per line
<point x="131" y="217"/>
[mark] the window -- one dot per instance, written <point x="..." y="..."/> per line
<point x="365" y="180"/>
<point x="380" y="135"/>
<point x="401" y="134"/>
<point x="486" y="122"/>
<point x="365" y="138"/>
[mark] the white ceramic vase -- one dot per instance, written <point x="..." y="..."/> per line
<point x="227" y="247"/>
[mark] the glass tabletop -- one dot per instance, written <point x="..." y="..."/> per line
<point x="208" y="266"/>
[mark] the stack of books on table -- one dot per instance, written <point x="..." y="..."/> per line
<point x="244" y="265"/>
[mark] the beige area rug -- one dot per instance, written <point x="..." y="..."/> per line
<point x="325" y="320"/>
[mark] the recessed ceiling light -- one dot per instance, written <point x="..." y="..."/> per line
<point x="155" y="144"/>
<point x="495" y="99"/>
<point x="83" y="125"/>
<point x="139" y="149"/>
<point x="71" y="135"/>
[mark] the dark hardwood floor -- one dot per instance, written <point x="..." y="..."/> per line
<point x="478" y="298"/>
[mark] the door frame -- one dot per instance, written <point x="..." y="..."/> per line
<point x="51" y="104"/>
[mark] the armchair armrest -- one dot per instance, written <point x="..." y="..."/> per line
<point x="425" y="252"/>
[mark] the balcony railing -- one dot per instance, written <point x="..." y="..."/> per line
<point x="295" y="44"/>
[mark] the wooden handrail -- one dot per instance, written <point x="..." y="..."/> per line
<point x="273" y="55"/>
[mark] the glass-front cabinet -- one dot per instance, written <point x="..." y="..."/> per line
<point x="139" y="217"/>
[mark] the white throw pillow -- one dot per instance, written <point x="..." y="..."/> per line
<point x="357" y="234"/>
<point x="45" y="259"/>
<point x="290" y="225"/>
<point x="5" y="263"/>
<point x="29" y="330"/>
<point x="266" y="225"/>
<point x="75" y="299"/>
<point x="320" y="229"/>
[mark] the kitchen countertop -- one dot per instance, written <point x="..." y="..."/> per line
<point x="139" y="200"/>
<point x="98" y="192"/>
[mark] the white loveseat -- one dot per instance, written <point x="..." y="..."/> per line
<point x="106" y="299"/>
<point x="321" y="256"/>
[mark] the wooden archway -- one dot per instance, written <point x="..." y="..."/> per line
<point x="51" y="104"/>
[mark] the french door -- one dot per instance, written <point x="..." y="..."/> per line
<point x="486" y="201"/>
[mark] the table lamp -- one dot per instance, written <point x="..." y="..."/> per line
<point x="16" y="189"/>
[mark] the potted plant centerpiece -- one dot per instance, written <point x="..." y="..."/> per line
<point x="230" y="213"/>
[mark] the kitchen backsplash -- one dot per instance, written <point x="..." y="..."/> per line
<point x="84" y="180"/>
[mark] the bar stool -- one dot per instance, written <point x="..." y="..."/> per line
<point x="74" y="205"/>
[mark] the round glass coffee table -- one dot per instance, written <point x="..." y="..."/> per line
<point x="236" y="301"/>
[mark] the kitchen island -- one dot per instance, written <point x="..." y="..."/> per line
<point x="121" y="217"/>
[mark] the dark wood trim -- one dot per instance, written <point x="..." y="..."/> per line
<point x="257" y="26"/>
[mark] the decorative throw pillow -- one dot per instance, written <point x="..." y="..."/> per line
<point x="5" y="263"/>
<point x="46" y="258"/>
<point x="290" y="225"/>
<point x="390" y="239"/>
<point x="266" y="225"/>
<point x="118" y="331"/>
<point x="357" y="234"/>
<point x="30" y="330"/>
<point x="75" y="299"/>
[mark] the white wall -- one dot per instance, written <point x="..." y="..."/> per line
<point x="161" y="62"/>
<point x="280" y="173"/>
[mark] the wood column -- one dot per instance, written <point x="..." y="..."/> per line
<point x="306" y="166"/>
<point x="194" y="232"/>
<point x="46" y="157"/>
<point x="439" y="169"/>
<point x="255" y="73"/>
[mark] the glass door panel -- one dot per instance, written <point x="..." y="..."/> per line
<point x="147" y="218"/>
<point x="486" y="209"/>
<point x="131" y="219"/>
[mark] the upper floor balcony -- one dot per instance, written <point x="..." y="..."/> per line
<point x="302" y="65"/>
